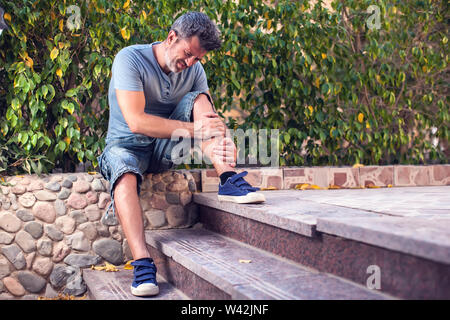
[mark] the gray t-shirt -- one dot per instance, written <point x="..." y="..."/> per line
<point x="135" y="68"/>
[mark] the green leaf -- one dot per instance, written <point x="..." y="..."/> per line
<point x="287" y="138"/>
<point x="15" y="104"/>
<point x="61" y="146"/>
<point x="71" y="92"/>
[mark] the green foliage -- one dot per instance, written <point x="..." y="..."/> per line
<point x="338" y="92"/>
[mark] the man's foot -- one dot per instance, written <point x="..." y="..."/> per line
<point x="237" y="190"/>
<point x="144" y="283"/>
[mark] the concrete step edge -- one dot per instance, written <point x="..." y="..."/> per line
<point x="214" y="258"/>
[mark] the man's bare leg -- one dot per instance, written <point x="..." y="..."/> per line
<point x="202" y="106"/>
<point x="129" y="212"/>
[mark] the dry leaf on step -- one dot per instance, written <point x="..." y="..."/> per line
<point x="107" y="267"/>
<point x="269" y="188"/>
<point x="245" y="261"/>
<point x="128" y="265"/>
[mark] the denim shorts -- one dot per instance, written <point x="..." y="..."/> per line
<point x="141" y="154"/>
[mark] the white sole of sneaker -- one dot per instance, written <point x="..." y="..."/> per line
<point x="252" y="197"/>
<point x="145" y="289"/>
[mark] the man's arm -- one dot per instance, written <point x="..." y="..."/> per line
<point x="132" y="105"/>
<point x="225" y="149"/>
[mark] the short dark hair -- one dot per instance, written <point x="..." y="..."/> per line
<point x="198" y="24"/>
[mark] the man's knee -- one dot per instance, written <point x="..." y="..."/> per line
<point x="202" y="104"/>
<point x="127" y="182"/>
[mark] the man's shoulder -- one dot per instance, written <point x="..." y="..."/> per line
<point x="134" y="49"/>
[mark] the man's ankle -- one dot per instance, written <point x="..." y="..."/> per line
<point x="225" y="175"/>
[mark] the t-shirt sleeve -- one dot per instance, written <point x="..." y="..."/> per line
<point x="200" y="82"/>
<point x="126" y="71"/>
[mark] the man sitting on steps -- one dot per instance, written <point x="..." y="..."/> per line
<point x="157" y="89"/>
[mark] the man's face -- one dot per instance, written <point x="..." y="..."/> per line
<point x="182" y="53"/>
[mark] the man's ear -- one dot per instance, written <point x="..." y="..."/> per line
<point x="172" y="37"/>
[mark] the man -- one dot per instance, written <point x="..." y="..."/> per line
<point x="158" y="91"/>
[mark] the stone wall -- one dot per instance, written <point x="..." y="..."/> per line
<point x="54" y="225"/>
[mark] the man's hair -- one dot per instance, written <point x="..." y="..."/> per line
<point x="198" y="24"/>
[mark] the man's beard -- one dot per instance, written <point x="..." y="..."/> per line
<point x="171" y="64"/>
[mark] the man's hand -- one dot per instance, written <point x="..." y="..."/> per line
<point x="225" y="151"/>
<point x="209" y="127"/>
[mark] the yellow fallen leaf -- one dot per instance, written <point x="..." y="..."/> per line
<point x="372" y="186"/>
<point x="389" y="185"/>
<point x="333" y="186"/>
<point x="107" y="267"/>
<point x="307" y="186"/>
<point x="301" y="186"/>
<point x="62" y="297"/>
<point x="269" y="188"/>
<point x="269" y="24"/>
<point x="92" y="172"/>
<point x="358" y="165"/>
<point x="61" y="25"/>
<point x="324" y="55"/>
<point x="244" y="261"/>
<point x="7" y="16"/>
<point x="128" y="265"/>
<point x="126" y="4"/>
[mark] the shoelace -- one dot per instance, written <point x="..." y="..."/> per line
<point x="144" y="270"/>
<point x="238" y="181"/>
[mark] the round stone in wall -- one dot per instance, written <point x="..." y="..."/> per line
<point x="9" y="222"/>
<point x="27" y="200"/>
<point x="176" y="216"/>
<point x="31" y="281"/>
<point x="44" y="211"/>
<point x="34" y="228"/>
<point x="155" y="217"/>
<point x="110" y="250"/>
<point x="14" y="255"/>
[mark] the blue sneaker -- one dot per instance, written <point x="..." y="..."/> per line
<point x="144" y="283"/>
<point x="237" y="190"/>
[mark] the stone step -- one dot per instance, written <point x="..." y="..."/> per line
<point x="116" y="286"/>
<point x="404" y="232"/>
<point x="206" y="265"/>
